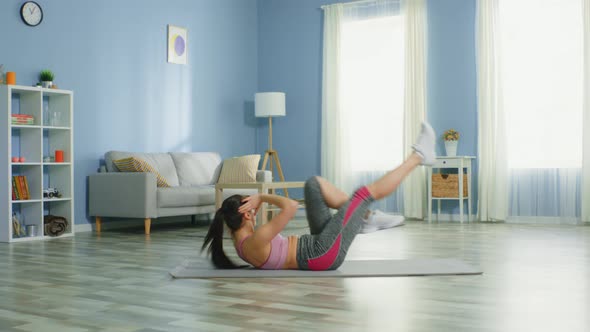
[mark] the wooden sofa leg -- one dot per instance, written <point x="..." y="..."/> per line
<point x="147" y="223"/>
<point x="98" y="224"/>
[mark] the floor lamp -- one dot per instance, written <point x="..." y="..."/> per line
<point x="267" y="105"/>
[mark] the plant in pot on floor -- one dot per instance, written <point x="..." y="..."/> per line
<point x="451" y="138"/>
<point x="46" y="77"/>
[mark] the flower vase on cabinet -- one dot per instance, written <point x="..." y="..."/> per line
<point x="451" y="138"/>
<point x="451" y="148"/>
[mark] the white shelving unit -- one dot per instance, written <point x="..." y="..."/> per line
<point x="51" y="130"/>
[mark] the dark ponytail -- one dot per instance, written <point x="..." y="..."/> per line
<point x="214" y="238"/>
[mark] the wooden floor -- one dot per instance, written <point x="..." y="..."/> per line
<point x="536" y="278"/>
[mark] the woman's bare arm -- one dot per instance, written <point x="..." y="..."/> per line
<point x="265" y="233"/>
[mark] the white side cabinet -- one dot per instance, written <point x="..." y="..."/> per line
<point x="463" y="166"/>
<point x="51" y="130"/>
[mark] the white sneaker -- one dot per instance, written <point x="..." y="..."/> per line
<point x="424" y="145"/>
<point x="379" y="220"/>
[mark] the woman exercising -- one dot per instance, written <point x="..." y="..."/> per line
<point x="331" y="234"/>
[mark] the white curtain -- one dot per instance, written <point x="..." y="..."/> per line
<point x="493" y="166"/>
<point x="414" y="186"/>
<point x="586" y="117"/>
<point x="342" y="114"/>
<point x="531" y="93"/>
<point x="334" y="162"/>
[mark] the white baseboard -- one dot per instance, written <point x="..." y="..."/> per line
<point x="79" y="228"/>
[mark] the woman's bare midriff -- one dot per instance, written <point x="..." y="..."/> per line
<point x="291" y="263"/>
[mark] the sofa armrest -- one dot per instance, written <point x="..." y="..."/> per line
<point x="263" y="176"/>
<point x="122" y="194"/>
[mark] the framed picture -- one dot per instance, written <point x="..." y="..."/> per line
<point x="177" y="45"/>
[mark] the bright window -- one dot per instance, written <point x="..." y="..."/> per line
<point x="372" y="90"/>
<point x="542" y="68"/>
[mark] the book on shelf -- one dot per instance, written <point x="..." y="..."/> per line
<point x="21" y="116"/>
<point x="20" y="187"/>
<point x="15" y="195"/>
<point x="22" y="119"/>
<point x="26" y="183"/>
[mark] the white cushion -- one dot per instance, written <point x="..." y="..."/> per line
<point x="197" y="168"/>
<point x="161" y="162"/>
<point x="239" y="169"/>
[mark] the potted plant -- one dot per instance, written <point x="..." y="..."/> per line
<point x="46" y="77"/>
<point x="451" y="138"/>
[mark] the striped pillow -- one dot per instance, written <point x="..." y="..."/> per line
<point x="239" y="169"/>
<point x="134" y="164"/>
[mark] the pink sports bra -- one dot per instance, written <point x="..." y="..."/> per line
<point x="279" y="249"/>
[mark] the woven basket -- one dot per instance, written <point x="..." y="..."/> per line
<point x="447" y="185"/>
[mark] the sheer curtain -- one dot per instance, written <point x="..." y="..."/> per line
<point x="363" y="97"/>
<point x="414" y="187"/>
<point x="535" y="71"/>
<point x="493" y="166"/>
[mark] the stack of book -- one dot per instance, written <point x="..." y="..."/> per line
<point x="20" y="188"/>
<point x="22" y="119"/>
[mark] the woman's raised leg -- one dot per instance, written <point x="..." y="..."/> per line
<point x="389" y="182"/>
<point x="424" y="155"/>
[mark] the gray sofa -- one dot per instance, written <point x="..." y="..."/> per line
<point x="191" y="176"/>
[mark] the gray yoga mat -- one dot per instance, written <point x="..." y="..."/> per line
<point x="349" y="269"/>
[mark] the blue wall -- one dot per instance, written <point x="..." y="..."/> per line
<point x="290" y="60"/>
<point x="112" y="54"/>
<point x="128" y="97"/>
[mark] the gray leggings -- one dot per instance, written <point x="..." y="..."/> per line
<point x="331" y="234"/>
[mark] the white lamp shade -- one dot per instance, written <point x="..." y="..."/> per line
<point x="269" y="104"/>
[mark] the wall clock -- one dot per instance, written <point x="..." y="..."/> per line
<point x="31" y="13"/>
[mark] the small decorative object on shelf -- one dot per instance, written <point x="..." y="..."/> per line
<point x="51" y="193"/>
<point x="46" y="77"/>
<point x="17" y="228"/>
<point x="59" y="156"/>
<point x="31" y="230"/>
<point x="10" y="78"/>
<point x="1" y="74"/>
<point x="55" y="225"/>
<point x="451" y="138"/>
<point x="54" y="118"/>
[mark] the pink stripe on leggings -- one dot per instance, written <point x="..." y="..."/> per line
<point x="326" y="260"/>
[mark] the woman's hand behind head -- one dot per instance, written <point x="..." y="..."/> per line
<point x="250" y="203"/>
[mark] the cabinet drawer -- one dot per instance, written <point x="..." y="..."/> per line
<point x="448" y="162"/>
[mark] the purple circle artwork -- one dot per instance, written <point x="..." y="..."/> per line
<point x="179" y="45"/>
